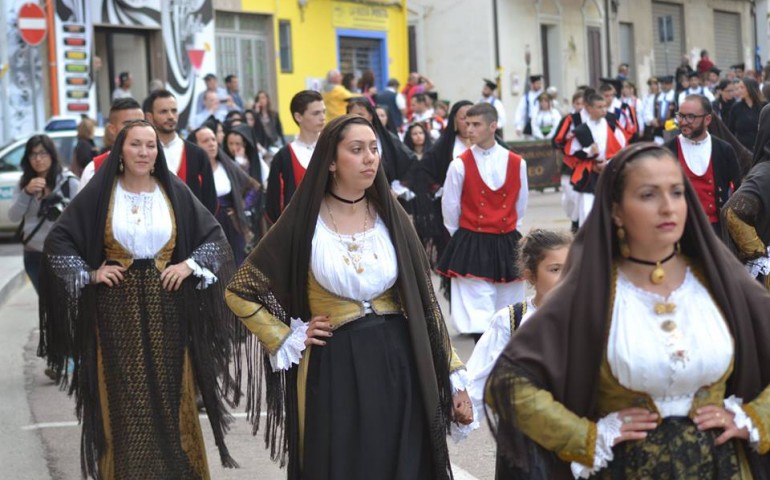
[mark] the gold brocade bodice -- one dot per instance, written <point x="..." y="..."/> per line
<point x="343" y="310"/>
<point x="115" y="252"/>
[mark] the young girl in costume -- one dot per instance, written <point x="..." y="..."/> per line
<point x="542" y="254"/>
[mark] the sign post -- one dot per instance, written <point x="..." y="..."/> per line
<point x="32" y="28"/>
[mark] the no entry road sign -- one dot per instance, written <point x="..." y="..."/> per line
<point x="32" y="24"/>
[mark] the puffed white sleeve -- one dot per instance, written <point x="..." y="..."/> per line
<point x="451" y="196"/>
<point x="521" y="202"/>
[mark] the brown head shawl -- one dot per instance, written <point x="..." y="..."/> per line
<point x="560" y="349"/>
<point x="275" y="275"/>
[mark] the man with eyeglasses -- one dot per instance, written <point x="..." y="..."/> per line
<point x="709" y="163"/>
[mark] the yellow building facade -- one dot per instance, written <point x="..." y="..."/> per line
<point x="311" y="37"/>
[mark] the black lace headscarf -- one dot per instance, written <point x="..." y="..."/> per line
<point x="68" y="313"/>
<point x="560" y="348"/>
<point x="436" y="160"/>
<point x="275" y="275"/>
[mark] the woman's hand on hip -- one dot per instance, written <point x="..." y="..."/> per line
<point x="172" y="277"/>
<point x="110" y="275"/>
<point x="636" y="423"/>
<point x="318" y="328"/>
<point x="711" y="416"/>
<point x="463" y="412"/>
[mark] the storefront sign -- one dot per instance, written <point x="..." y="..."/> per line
<point x="74" y="33"/>
<point x="359" y="17"/>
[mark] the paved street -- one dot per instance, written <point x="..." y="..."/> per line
<point x="39" y="436"/>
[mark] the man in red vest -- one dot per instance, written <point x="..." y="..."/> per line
<point x="708" y="162"/>
<point x="593" y="145"/>
<point x="122" y="111"/>
<point x="485" y="197"/>
<point x="187" y="160"/>
<point x="288" y="166"/>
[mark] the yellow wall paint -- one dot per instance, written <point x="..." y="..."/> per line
<point x="314" y="45"/>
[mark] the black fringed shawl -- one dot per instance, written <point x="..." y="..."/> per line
<point x="68" y="304"/>
<point x="275" y="276"/>
<point x="560" y="348"/>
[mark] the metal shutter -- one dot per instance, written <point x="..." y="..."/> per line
<point x="667" y="18"/>
<point x="727" y="36"/>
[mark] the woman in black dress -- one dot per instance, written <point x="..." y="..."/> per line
<point x="744" y="115"/>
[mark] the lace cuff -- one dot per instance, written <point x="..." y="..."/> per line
<point x="401" y="191"/>
<point x="607" y="430"/>
<point x="461" y="381"/>
<point x="735" y="405"/>
<point x="206" y="276"/>
<point x="290" y="352"/>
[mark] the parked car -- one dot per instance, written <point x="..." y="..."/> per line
<point x="10" y="167"/>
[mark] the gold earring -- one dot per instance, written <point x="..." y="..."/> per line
<point x="120" y="167"/>
<point x="625" y="251"/>
<point x="679" y="248"/>
<point x="152" y="171"/>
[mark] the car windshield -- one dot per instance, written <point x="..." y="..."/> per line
<point x="10" y="159"/>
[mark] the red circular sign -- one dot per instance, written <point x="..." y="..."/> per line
<point x="32" y="24"/>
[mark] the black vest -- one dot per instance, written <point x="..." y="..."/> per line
<point x="388" y="98"/>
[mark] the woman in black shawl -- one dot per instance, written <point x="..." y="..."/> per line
<point x="345" y="412"/>
<point x="747" y="213"/>
<point x="236" y="192"/>
<point x="574" y="381"/>
<point x="117" y="295"/>
<point x="240" y="145"/>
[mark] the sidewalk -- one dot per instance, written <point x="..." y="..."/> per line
<point x="12" y="277"/>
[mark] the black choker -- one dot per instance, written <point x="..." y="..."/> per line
<point x="658" y="274"/>
<point x="345" y="200"/>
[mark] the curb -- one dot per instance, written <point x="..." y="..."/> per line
<point x="12" y="286"/>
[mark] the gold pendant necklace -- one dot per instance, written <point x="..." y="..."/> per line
<point x="353" y="251"/>
<point x="658" y="274"/>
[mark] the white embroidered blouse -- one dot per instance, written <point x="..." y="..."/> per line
<point x="665" y="355"/>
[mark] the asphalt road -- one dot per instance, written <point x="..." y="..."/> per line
<point x="40" y="438"/>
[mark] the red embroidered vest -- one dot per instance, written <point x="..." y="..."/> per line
<point x="704" y="185"/>
<point x="485" y="210"/>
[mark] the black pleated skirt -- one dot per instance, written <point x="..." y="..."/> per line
<point x="364" y="414"/>
<point x="486" y="256"/>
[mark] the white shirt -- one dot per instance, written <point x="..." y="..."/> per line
<point x="665" y="99"/>
<point x="459" y="147"/>
<point x="141" y="222"/>
<point x="668" y="360"/>
<point x="696" y="91"/>
<point x="648" y="109"/>
<point x="541" y="119"/>
<point x="697" y="155"/>
<point x="488" y="349"/>
<point x="303" y="152"/>
<point x="173" y="152"/>
<point x="222" y="183"/>
<point x="521" y="109"/>
<point x="498" y="104"/>
<point x="492" y="165"/>
<point x="334" y="267"/>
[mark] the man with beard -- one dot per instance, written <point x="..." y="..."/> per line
<point x="187" y="160"/>
<point x="707" y="161"/>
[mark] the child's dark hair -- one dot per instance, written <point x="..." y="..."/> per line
<point x="536" y="244"/>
